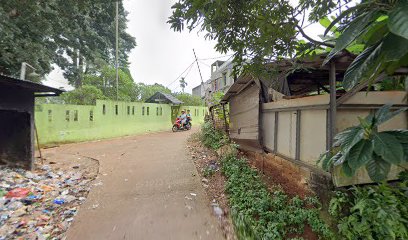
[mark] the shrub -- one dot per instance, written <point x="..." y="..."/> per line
<point x="259" y="214"/>
<point x="211" y="137"/>
<point x="373" y="212"/>
<point x="364" y="145"/>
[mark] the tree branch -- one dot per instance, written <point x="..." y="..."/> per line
<point x="312" y="40"/>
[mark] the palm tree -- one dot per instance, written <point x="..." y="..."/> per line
<point x="183" y="83"/>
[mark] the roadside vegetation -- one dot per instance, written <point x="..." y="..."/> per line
<point x="372" y="212"/>
<point x="257" y="212"/>
<point x="378" y="211"/>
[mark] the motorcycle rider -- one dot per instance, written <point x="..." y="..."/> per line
<point x="188" y="116"/>
<point x="183" y="118"/>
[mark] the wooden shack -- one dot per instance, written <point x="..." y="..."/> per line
<point x="17" y="120"/>
<point x="244" y="111"/>
<point x="295" y="114"/>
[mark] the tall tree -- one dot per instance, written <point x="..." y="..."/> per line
<point x="189" y="100"/>
<point x="145" y="90"/>
<point x="183" y="83"/>
<point x="25" y="32"/>
<point x="105" y="81"/>
<point x="69" y="33"/>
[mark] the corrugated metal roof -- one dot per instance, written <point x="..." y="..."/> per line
<point x="160" y="95"/>
<point x="6" y="81"/>
<point x="299" y="80"/>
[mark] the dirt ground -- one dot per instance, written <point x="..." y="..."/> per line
<point x="147" y="188"/>
<point x="214" y="184"/>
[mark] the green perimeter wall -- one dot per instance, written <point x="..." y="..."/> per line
<point x="60" y="123"/>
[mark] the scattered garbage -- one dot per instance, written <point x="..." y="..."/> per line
<point x="213" y="166"/>
<point x="217" y="210"/>
<point x="39" y="204"/>
<point x="18" y="193"/>
<point x="59" y="201"/>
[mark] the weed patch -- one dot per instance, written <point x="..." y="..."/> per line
<point x="260" y="214"/>
<point x="372" y="212"/>
<point x="211" y="137"/>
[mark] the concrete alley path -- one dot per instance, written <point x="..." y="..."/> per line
<point x="145" y="188"/>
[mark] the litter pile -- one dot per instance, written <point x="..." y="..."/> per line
<point x="41" y="204"/>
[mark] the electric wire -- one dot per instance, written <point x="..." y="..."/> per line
<point x="189" y="66"/>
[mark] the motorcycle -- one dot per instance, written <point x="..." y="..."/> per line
<point x="177" y="125"/>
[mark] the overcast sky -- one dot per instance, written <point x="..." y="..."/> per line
<point x="161" y="54"/>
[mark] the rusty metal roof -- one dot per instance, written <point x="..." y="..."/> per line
<point x="9" y="82"/>
<point x="310" y="73"/>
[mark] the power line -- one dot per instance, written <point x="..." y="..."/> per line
<point x="228" y="55"/>
<point x="204" y="63"/>
<point x="332" y="11"/>
<point x="189" y="66"/>
<point x="185" y="76"/>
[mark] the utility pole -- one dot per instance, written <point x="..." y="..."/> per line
<point x="117" y="46"/>
<point x="24" y="69"/>
<point x="199" y="70"/>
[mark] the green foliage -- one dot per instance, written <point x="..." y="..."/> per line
<point x="392" y="83"/>
<point x="105" y="81"/>
<point x="145" y="90"/>
<point x="71" y="34"/>
<point x="261" y="31"/>
<point x="85" y="95"/>
<point x="189" y="100"/>
<point x="212" y="137"/>
<point x="259" y="214"/>
<point x="254" y="30"/>
<point x="364" y="145"/>
<point x="374" y="212"/>
<point x="381" y="27"/>
<point x="208" y="171"/>
<point x="216" y="98"/>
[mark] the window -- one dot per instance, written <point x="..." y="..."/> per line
<point x="76" y="115"/>
<point x="49" y="115"/>
<point x="128" y="110"/>
<point x="157" y="111"/>
<point x="91" y="116"/>
<point x="161" y="111"/>
<point x="103" y="109"/>
<point x="224" y="79"/>
<point x="116" y="110"/>
<point x="133" y="110"/>
<point x="67" y="115"/>
<point x="147" y="111"/>
<point x="143" y="108"/>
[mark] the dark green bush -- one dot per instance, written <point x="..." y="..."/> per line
<point x="372" y="212"/>
<point x="259" y="214"/>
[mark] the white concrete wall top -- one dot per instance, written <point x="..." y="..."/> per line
<point x="394" y="97"/>
<point x="298" y="102"/>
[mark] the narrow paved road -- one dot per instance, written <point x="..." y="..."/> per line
<point x="147" y="190"/>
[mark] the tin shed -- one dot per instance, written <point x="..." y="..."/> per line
<point x="17" y="120"/>
<point x="297" y="113"/>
